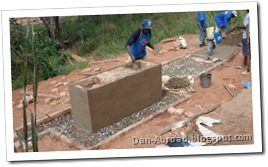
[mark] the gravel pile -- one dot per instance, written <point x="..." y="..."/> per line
<point x="65" y="123"/>
<point x="182" y="67"/>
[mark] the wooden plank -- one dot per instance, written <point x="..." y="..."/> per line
<point x="227" y="88"/>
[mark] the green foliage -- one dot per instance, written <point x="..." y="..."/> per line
<point x="67" y="68"/>
<point x="98" y="36"/>
<point x="48" y="51"/>
<point x="105" y="35"/>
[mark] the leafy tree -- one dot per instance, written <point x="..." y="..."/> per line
<point x="53" y="27"/>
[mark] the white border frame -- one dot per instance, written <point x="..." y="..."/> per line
<point x="257" y="147"/>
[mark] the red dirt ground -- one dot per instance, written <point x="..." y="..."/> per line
<point x="225" y="73"/>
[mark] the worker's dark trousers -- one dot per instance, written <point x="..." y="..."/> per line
<point x="210" y="48"/>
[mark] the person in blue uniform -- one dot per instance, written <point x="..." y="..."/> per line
<point x="222" y="20"/>
<point x="139" y="39"/>
<point x="202" y="24"/>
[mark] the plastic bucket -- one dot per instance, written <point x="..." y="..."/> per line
<point x="183" y="42"/>
<point x="210" y="33"/>
<point x="205" y="79"/>
<point x="217" y="36"/>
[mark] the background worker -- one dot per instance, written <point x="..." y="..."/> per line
<point x="222" y="20"/>
<point x="202" y="24"/>
<point x="137" y="42"/>
<point x="245" y="43"/>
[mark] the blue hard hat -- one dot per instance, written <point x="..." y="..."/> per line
<point x="147" y="23"/>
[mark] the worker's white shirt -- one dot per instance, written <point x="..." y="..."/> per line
<point x="246" y="23"/>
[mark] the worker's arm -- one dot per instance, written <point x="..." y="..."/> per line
<point x="226" y="23"/>
<point x="130" y="53"/>
<point x="134" y="36"/>
<point x="150" y="45"/>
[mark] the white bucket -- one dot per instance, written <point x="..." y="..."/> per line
<point x="210" y="33"/>
<point x="183" y="43"/>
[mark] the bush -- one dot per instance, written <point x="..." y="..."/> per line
<point x="49" y="53"/>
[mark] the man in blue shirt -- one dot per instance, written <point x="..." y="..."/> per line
<point x="202" y="24"/>
<point x="222" y="20"/>
<point x="139" y="39"/>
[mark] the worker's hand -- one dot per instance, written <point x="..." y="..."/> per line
<point x="154" y="52"/>
<point x="204" y="29"/>
<point x="133" y="59"/>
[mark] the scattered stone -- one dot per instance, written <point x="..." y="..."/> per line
<point x="65" y="83"/>
<point x="59" y="84"/>
<point x="86" y="70"/>
<point x="63" y="94"/>
<point x="55" y="90"/>
<point x="20" y="105"/>
<point x="96" y="69"/>
<point x="179" y="112"/>
<point x="199" y="107"/>
<point x="53" y="82"/>
<point x="188" y="114"/>
<point x="47" y="100"/>
<point x="171" y="110"/>
<point x="29" y="99"/>
<point x="215" y="59"/>
<point x="244" y="73"/>
<point x="95" y="85"/>
<point x="174" y="111"/>
<point x="163" y="51"/>
<point x="54" y="103"/>
<point x="231" y="86"/>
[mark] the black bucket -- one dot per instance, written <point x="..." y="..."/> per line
<point x="205" y="79"/>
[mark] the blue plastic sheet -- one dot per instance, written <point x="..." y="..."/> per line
<point x="246" y="84"/>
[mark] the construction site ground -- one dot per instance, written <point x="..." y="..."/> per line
<point x="235" y="112"/>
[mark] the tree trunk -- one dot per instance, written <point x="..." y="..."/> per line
<point x="53" y="27"/>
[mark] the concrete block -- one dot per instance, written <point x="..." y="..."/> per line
<point x="106" y="98"/>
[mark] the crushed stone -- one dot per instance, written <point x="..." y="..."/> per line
<point x="65" y="124"/>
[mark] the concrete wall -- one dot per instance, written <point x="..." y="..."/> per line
<point x="109" y="101"/>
